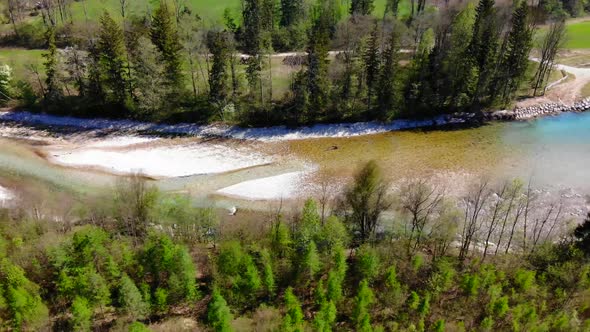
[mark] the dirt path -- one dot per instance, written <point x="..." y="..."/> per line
<point x="567" y="92"/>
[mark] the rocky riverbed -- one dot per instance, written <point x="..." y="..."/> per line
<point x="540" y="110"/>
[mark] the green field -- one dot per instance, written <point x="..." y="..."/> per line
<point x="211" y="11"/>
<point x="20" y="59"/>
<point x="578" y="35"/>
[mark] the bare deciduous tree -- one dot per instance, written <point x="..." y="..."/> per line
<point x="550" y="46"/>
<point x="497" y="209"/>
<point x="16" y="10"/>
<point x="474" y="205"/>
<point x="421" y="202"/>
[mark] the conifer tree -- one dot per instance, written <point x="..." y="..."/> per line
<point x="311" y="261"/>
<point x="218" y="313"/>
<point x="361" y="316"/>
<point x="19" y="298"/>
<point x="81" y="315"/>
<point x="268" y="278"/>
<point x="293" y="320"/>
<point x="317" y="84"/>
<point x="515" y="61"/>
<point x="53" y="90"/>
<point x="165" y="37"/>
<point x="112" y="60"/>
<point x="218" y="44"/>
<point x="386" y="89"/>
<point x="483" y="48"/>
<point x="362" y="7"/>
<point x="130" y="299"/>
<point x="372" y="64"/>
<point x="292" y="12"/>
<point x="252" y="41"/>
<point x="325" y="317"/>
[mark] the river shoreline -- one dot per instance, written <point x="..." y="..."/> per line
<point x="280" y="133"/>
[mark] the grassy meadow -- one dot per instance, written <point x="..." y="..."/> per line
<point x="578" y="35"/>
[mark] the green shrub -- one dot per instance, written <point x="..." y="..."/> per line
<point x="524" y="280"/>
<point x="470" y="285"/>
<point x="218" y="313"/>
<point x="367" y="263"/>
<point x="81" y="315"/>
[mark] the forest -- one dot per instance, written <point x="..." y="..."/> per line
<point x="282" y="62"/>
<point x="137" y="259"/>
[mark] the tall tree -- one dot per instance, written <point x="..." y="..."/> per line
<point x="112" y="60"/>
<point x="292" y="12"/>
<point x="366" y="199"/>
<point x="550" y="46"/>
<point x="372" y="64"/>
<point x="218" y="313"/>
<point x="516" y="59"/>
<point x="387" y="93"/>
<point x="53" y="90"/>
<point x="218" y="44"/>
<point x="252" y="40"/>
<point x="362" y="7"/>
<point x="483" y="47"/>
<point x="317" y="83"/>
<point x="164" y="35"/>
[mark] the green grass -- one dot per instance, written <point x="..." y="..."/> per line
<point x="586" y="91"/>
<point x="20" y="59"/>
<point x="211" y="11"/>
<point x="578" y="35"/>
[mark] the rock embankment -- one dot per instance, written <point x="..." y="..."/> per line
<point x="539" y="111"/>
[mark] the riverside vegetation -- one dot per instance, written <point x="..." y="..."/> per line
<point x="166" y="63"/>
<point x="139" y="260"/>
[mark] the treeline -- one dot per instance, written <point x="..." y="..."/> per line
<point x="136" y="259"/>
<point x="167" y="66"/>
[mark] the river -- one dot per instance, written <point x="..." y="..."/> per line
<point x="554" y="152"/>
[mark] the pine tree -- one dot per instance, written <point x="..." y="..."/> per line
<point x="165" y="37"/>
<point x="311" y="261"/>
<point x="362" y="7"/>
<point x="387" y="93"/>
<point x="325" y="317"/>
<point x="515" y="61"/>
<point x="130" y="299"/>
<point x="334" y="287"/>
<point x="268" y="278"/>
<point x="218" y="44"/>
<point x="252" y="41"/>
<point x="20" y="298"/>
<point x="81" y="315"/>
<point x="112" y="60"/>
<point x="53" y="90"/>
<point x="317" y="84"/>
<point x="292" y="12"/>
<point x="483" y="48"/>
<point x="293" y="320"/>
<point x="363" y="300"/>
<point x="372" y="64"/>
<point x="218" y="313"/>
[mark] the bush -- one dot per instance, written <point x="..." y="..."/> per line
<point x="130" y="299"/>
<point x="524" y="280"/>
<point x="367" y="263"/>
<point x="218" y="313"/>
<point x="81" y="314"/>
